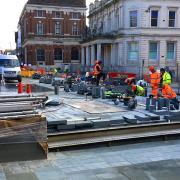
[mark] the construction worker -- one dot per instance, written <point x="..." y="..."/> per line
<point x="165" y="77"/>
<point x="98" y="73"/>
<point x="154" y="81"/>
<point x="169" y="93"/>
<point x="138" y="90"/>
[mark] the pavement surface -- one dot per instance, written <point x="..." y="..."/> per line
<point x="146" y="161"/>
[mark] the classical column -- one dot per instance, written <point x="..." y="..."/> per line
<point x="113" y="52"/>
<point x="99" y="57"/>
<point x="82" y="57"/>
<point x="87" y="56"/>
<point x="92" y="55"/>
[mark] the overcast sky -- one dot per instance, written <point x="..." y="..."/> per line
<point x="10" y="11"/>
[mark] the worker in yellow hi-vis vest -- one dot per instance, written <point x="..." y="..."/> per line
<point x="165" y="77"/>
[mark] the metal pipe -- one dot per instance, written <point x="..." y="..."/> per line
<point x="18" y="116"/>
<point x="14" y="96"/>
<point x="18" y="113"/>
<point x="16" y="108"/>
<point x="43" y="98"/>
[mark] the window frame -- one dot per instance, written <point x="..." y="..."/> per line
<point x="158" y="51"/>
<point x="75" y="15"/>
<point x="130" y="24"/>
<point x="75" y="30"/>
<point x="172" y="10"/>
<point x="174" y="52"/>
<point x="42" y="55"/>
<point x="40" y="15"/>
<point x="40" y="28"/>
<point x="154" y="18"/>
<point x="129" y="51"/>
<point x="76" y="59"/>
<point x="58" y="27"/>
<point x="56" y="55"/>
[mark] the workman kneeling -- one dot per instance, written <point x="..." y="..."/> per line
<point x="169" y="93"/>
<point x="138" y="90"/>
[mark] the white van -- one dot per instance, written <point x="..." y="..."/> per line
<point x="10" y="67"/>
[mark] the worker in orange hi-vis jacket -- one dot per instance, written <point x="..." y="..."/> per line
<point x="169" y="93"/>
<point x="98" y="72"/>
<point x="154" y="81"/>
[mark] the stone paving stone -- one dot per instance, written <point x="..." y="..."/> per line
<point x="81" y="176"/>
<point x="130" y="118"/>
<point x="59" y="122"/>
<point x="50" y="174"/>
<point x="152" y="115"/>
<point x="83" y="124"/>
<point x="22" y="176"/>
<point x="2" y="176"/>
<point x="141" y="116"/>
<point x="101" y="123"/>
<point x="116" y="120"/>
<point x="68" y="126"/>
<point x="112" y="176"/>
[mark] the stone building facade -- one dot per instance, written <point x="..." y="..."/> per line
<point x="49" y="32"/>
<point x="130" y="35"/>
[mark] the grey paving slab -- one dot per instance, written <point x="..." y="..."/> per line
<point x="2" y="176"/>
<point x="23" y="176"/>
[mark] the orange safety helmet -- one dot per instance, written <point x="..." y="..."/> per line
<point x="151" y="68"/>
<point x="134" y="87"/>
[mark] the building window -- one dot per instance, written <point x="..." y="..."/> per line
<point x="74" y="53"/>
<point x="40" y="29"/>
<point x="154" y="18"/>
<point x="40" y="13"/>
<point x="172" y="16"/>
<point x="57" y="14"/>
<point x="58" y="54"/>
<point x="133" y="18"/>
<point x="132" y="51"/>
<point x="40" y="55"/>
<point x="74" y="28"/>
<point x="171" y="50"/>
<point x="153" y="51"/>
<point x="75" y="15"/>
<point x="57" y="28"/>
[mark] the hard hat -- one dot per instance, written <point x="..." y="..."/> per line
<point x="134" y="87"/>
<point x="151" y="68"/>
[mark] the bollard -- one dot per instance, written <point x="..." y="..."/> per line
<point x="56" y="89"/>
<point x="28" y="89"/>
<point x="20" y="88"/>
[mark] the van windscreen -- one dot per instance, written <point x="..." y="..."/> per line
<point x="9" y="63"/>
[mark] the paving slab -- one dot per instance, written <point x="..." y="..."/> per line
<point x="95" y="107"/>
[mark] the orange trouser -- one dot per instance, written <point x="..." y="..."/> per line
<point x="155" y="90"/>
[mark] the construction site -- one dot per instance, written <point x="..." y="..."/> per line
<point x="65" y="126"/>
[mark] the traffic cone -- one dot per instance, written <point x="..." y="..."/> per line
<point x="28" y="89"/>
<point x="20" y="88"/>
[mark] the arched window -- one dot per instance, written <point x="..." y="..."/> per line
<point x="74" y="53"/>
<point x="57" y="54"/>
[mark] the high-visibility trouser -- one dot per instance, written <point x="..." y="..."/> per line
<point x="154" y="91"/>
